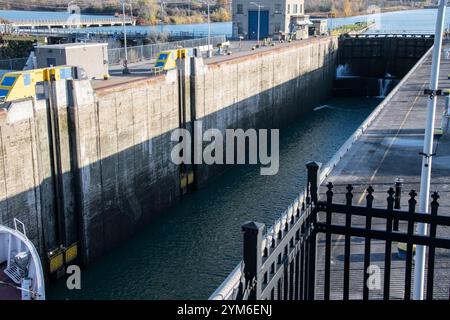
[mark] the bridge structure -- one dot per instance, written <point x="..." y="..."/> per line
<point x="82" y="22"/>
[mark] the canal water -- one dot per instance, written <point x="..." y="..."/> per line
<point x="411" y="21"/>
<point x="188" y="252"/>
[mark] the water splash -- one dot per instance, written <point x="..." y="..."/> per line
<point x="385" y="85"/>
<point x="344" y="71"/>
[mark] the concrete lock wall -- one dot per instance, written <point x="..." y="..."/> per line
<point x="94" y="166"/>
<point x="123" y="153"/>
<point x="35" y="184"/>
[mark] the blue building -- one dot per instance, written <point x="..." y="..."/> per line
<point x="274" y="17"/>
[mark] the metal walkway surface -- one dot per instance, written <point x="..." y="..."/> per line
<point x="389" y="149"/>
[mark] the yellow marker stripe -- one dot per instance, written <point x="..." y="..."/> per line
<point x="361" y="198"/>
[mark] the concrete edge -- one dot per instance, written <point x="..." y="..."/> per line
<point x="328" y="168"/>
<point x="126" y="84"/>
<point x="273" y="50"/>
<point x="229" y="284"/>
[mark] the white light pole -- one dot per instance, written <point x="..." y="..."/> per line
<point x="163" y="13"/>
<point x="419" y="270"/>
<point x="125" y="62"/>
<point x="131" y="11"/>
<point x="259" y="17"/>
<point x="209" y="32"/>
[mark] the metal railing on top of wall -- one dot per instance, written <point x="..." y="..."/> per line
<point x="149" y="52"/>
<point x="135" y="54"/>
<point x="13" y="64"/>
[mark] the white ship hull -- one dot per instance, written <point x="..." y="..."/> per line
<point x="21" y="274"/>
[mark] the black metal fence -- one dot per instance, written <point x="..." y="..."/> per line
<point x="300" y="260"/>
<point x="13" y="64"/>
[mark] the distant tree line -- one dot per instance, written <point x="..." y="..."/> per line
<point x="195" y="11"/>
<point x="347" y="8"/>
<point x="147" y="11"/>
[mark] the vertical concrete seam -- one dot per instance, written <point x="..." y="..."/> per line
<point x="134" y="148"/>
<point x="36" y="186"/>
<point x="273" y="88"/>
<point x="40" y="180"/>
<point x="116" y="132"/>
<point x="204" y="92"/>
<point x="79" y="194"/>
<point x="147" y="124"/>
<point x="100" y="160"/>
<point x="4" y="174"/>
<point x="161" y="122"/>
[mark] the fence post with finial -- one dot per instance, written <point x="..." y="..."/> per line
<point x="412" y="203"/>
<point x="328" y="242"/>
<point x="348" y="225"/>
<point x="388" y="249"/>
<point x="432" y="247"/>
<point x="367" y="244"/>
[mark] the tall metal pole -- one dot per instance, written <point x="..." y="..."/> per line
<point x="259" y="18"/>
<point x="131" y="11"/>
<point x="419" y="272"/>
<point x="125" y="62"/>
<point x="209" y="32"/>
<point x="163" y="13"/>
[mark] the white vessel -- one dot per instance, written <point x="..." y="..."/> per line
<point x="21" y="274"/>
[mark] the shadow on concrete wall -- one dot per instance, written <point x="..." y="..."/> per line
<point x="119" y="194"/>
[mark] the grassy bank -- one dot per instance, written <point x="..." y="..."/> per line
<point x="362" y="11"/>
<point x="351" y="28"/>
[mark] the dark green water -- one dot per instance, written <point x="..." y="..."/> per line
<point x="188" y="252"/>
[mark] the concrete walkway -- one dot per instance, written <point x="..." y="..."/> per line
<point x="387" y="150"/>
<point x="142" y="70"/>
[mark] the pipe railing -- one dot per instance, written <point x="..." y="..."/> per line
<point x="150" y="51"/>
